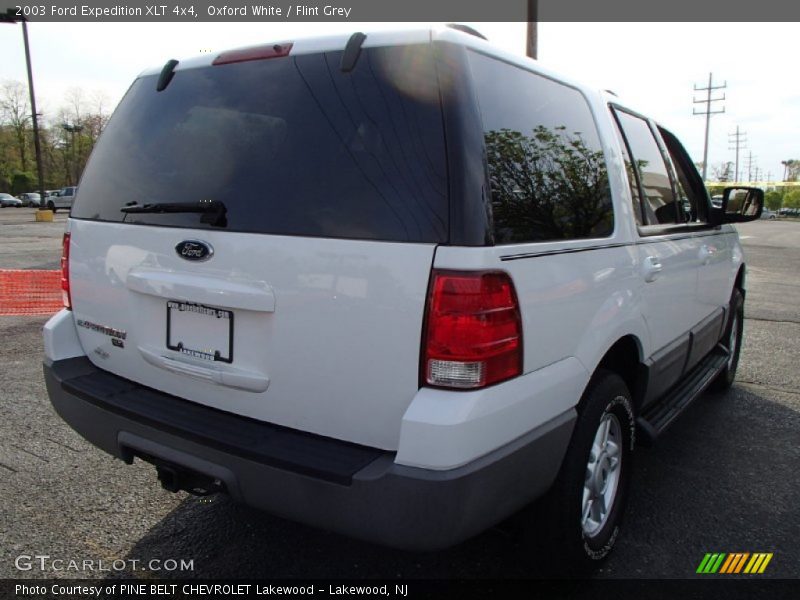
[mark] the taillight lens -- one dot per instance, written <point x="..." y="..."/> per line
<point x="253" y="53"/>
<point x="473" y="334"/>
<point x="65" y="293"/>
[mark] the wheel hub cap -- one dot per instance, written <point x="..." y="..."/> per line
<point x="602" y="474"/>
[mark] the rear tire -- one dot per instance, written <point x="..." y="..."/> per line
<point x="51" y="206"/>
<point x="588" y="499"/>
<point x="733" y="340"/>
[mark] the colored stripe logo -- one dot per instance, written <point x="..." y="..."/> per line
<point x="734" y="563"/>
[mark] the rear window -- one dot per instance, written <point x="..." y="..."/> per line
<point x="548" y="174"/>
<point x="290" y="146"/>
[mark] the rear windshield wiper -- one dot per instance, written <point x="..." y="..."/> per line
<point x="213" y="211"/>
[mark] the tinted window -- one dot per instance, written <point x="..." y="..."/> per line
<point x="693" y="197"/>
<point x="288" y="145"/>
<point x="633" y="182"/>
<point x="548" y="174"/>
<point x="659" y="201"/>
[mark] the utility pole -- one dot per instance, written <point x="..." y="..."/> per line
<point x="750" y="163"/>
<point x="708" y="112"/>
<point x="738" y="140"/>
<point x="532" y="45"/>
<point x="10" y="17"/>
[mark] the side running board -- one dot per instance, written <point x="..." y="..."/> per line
<point x="655" y="419"/>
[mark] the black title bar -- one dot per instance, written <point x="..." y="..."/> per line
<point x="598" y="11"/>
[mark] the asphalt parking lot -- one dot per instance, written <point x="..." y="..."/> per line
<point x="723" y="479"/>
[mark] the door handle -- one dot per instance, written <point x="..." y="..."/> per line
<point x="652" y="267"/>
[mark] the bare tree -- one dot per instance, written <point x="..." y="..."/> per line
<point x="97" y="118"/>
<point x="82" y="117"/>
<point x="15" y="112"/>
<point x="722" y="171"/>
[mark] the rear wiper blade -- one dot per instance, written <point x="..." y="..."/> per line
<point x="213" y="211"/>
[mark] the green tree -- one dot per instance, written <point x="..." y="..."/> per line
<point x="773" y="200"/>
<point x="22" y="182"/>
<point x="64" y="152"/>
<point x="792" y="199"/>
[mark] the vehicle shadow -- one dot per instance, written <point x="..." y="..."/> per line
<point x="228" y="540"/>
<point x="722" y="479"/>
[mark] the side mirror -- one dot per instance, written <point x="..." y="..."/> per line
<point x="741" y="204"/>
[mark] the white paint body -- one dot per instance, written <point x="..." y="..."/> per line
<point x="327" y="332"/>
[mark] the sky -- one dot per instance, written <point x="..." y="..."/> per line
<point x="652" y="67"/>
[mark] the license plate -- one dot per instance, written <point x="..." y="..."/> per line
<point x="199" y="331"/>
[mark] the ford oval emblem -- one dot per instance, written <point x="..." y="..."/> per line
<point x="194" y="250"/>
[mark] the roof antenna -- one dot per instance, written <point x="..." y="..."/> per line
<point x="467" y="29"/>
<point x="166" y="75"/>
<point x="352" y="51"/>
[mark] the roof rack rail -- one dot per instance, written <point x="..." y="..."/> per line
<point x="467" y="29"/>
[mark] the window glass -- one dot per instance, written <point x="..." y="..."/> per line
<point x="636" y="201"/>
<point x="549" y="179"/>
<point x="659" y="204"/>
<point x="289" y="146"/>
<point x="693" y="197"/>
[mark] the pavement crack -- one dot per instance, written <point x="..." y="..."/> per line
<point x="4" y="466"/>
<point x="771" y="320"/>
<point x="62" y="444"/>
<point x="765" y="386"/>
<point x="30" y="453"/>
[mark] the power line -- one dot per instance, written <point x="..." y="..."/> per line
<point x="708" y="112"/>
<point x="739" y="141"/>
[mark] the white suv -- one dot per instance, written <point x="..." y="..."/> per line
<point x="61" y="199"/>
<point x="396" y="285"/>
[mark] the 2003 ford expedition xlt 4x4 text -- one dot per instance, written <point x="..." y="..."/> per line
<point x="397" y="286"/>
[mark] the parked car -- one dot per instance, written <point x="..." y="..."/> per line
<point x="62" y="199"/>
<point x="466" y="306"/>
<point x="30" y="199"/>
<point x="768" y="214"/>
<point x="7" y="200"/>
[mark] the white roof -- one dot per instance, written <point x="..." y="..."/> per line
<point x="336" y="42"/>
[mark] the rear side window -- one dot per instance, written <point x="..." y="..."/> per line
<point x="658" y="202"/>
<point x="549" y="179"/>
<point x="290" y="146"/>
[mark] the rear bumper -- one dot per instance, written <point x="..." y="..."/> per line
<point x="334" y="485"/>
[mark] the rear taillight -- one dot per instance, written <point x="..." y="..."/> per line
<point x="473" y="333"/>
<point x="65" y="294"/>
